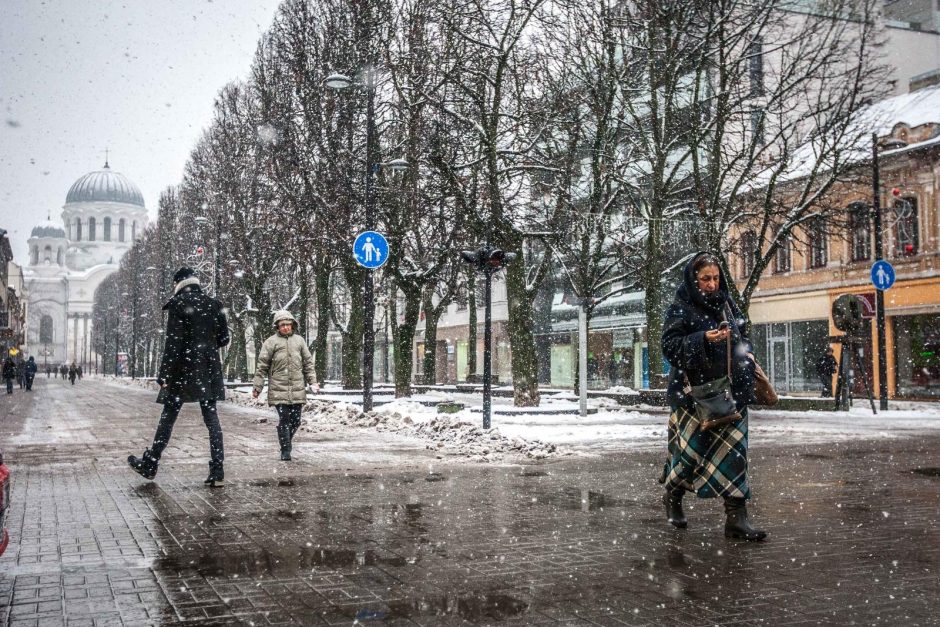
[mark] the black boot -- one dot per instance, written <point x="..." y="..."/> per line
<point x="216" y="478"/>
<point x="737" y="525"/>
<point x="285" y="454"/>
<point x="145" y="466"/>
<point x="673" y="503"/>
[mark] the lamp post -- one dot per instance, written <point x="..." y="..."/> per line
<point x="879" y="294"/>
<point x="341" y="81"/>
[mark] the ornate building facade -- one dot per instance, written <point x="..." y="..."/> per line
<point x="104" y="212"/>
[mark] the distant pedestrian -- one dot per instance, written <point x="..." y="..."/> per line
<point x="21" y="372"/>
<point x="64" y="371"/>
<point x="48" y="371"/>
<point x="191" y="372"/>
<point x="9" y="373"/>
<point x="30" y="372"/>
<point x="72" y="374"/>
<point x="825" y="368"/>
<point x="712" y="462"/>
<point x="78" y="371"/>
<point x="285" y="361"/>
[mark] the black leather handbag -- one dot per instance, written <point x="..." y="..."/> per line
<point x="714" y="404"/>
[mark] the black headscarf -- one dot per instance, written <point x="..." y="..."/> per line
<point x="689" y="292"/>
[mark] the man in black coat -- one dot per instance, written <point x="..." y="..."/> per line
<point x="825" y="368"/>
<point x="190" y="372"/>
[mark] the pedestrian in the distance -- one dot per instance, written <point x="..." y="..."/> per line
<point x="825" y="368"/>
<point x="30" y="369"/>
<point x="191" y="372"/>
<point x="78" y="371"/>
<point x="64" y="371"/>
<point x="285" y="361"/>
<point x="709" y="462"/>
<point x="9" y="373"/>
<point x="21" y="372"/>
<point x="72" y="374"/>
<point x="48" y="371"/>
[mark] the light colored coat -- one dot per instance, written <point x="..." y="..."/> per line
<point x="288" y="365"/>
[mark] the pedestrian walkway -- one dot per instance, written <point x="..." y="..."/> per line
<point x="371" y="527"/>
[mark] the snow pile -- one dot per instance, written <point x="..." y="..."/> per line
<point x="441" y="431"/>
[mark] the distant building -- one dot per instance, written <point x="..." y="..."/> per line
<point x="103" y="214"/>
<point x="12" y="302"/>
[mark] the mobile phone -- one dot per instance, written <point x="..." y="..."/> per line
<point x="723" y="325"/>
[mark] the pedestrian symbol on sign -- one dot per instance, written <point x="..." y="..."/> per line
<point x="882" y="275"/>
<point x="370" y="250"/>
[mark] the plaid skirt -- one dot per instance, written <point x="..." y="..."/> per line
<point x="710" y="463"/>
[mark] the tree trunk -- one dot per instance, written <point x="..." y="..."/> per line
<point x="404" y="343"/>
<point x="431" y="315"/>
<point x="521" y="340"/>
<point x="322" y="279"/>
<point x="352" y="338"/>
<point x="652" y="283"/>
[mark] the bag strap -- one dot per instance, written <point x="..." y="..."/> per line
<point x="725" y="312"/>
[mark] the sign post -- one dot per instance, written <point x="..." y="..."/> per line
<point x="370" y="250"/>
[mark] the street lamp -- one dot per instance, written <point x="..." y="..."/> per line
<point x="341" y="81"/>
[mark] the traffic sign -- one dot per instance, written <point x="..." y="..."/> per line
<point x="882" y="275"/>
<point x="370" y="250"/>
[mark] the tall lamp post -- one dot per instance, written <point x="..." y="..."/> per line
<point x="879" y="294"/>
<point x="368" y="83"/>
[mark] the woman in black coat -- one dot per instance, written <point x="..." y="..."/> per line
<point x="191" y="372"/>
<point x="712" y="462"/>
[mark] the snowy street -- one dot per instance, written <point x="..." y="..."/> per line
<point x="379" y="524"/>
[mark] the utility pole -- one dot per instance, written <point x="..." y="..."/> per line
<point x="879" y="294"/>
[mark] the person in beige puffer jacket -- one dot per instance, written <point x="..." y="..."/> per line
<point x="286" y="362"/>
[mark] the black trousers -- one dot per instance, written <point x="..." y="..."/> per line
<point x="288" y="423"/>
<point x="827" y="385"/>
<point x="171" y="410"/>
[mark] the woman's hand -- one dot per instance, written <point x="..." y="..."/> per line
<point x="717" y="335"/>
<point x="255" y="393"/>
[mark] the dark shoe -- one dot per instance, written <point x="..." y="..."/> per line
<point x="673" y="504"/>
<point x="737" y="526"/>
<point x="145" y="466"/>
<point x="216" y="478"/>
<point x="285" y="455"/>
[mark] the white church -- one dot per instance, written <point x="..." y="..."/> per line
<point x="102" y="216"/>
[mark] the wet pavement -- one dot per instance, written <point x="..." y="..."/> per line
<point x="367" y="527"/>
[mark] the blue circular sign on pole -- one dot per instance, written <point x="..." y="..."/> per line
<point x="882" y="275"/>
<point x="370" y="250"/>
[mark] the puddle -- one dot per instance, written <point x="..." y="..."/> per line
<point x="533" y="473"/>
<point x="926" y="472"/>
<point x="287" y="482"/>
<point x="275" y="561"/>
<point x="435" y="477"/>
<point x="815" y="456"/>
<point x="584" y="500"/>
<point x="482" y="608"/>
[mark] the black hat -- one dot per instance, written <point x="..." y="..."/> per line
<point x="183" y="273"/>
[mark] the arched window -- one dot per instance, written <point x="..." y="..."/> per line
<point x="106" y="236"/>
<point x="782" y="258"/>
<point x="121" y="230"/>
<point x="47" y="255"/>
<point x="34" y="256"/>
<point x="818" y="244"/>
<point x="78" y="229"/>
<point x="134" y="231"/>
<point x="860" y="231"/>
<point x="91" y="229"/>
<point x="46" y="335"/>
<point x="58" y="257"/>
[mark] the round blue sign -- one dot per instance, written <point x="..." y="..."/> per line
<point x="882" y="275"/>
<point x="370" y="250"/>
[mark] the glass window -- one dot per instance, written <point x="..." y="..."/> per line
<point x="818" y="244"/>
<point x="748" y="250"/>
<point x="860" y="231"/>
<point x="782" y="257"/>
<point x="755" y="63"/>
<point x="808" y="342"/>
<point x="917" y="355"/>
<point x="757" y="127"/>
<point x="906" y="226"/>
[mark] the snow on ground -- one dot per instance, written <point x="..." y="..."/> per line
<point x="555" y="428"/>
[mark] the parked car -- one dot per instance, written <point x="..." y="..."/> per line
<point x="4" y="504"/>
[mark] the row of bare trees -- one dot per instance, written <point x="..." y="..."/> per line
<point x="600" y="141"/>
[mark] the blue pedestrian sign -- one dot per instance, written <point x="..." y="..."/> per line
<point x="882" y="275"/>
<point x="370" y="250"/>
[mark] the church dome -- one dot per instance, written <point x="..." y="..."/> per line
<point x="105" y="185"/>
<point x="48" y="229"/>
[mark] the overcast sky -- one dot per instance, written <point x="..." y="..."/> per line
<point x="137" y="77"/>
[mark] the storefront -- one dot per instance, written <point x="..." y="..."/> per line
<point x="917" y="355"/>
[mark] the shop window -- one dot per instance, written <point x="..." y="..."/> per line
<point x="748" y="250"/>
<point x="917" y="355"/>
<point x="818" y="243"/>
<point x="860" y="231"/>
<point x="906" y="227"/>
<point x="782" y="257"/>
